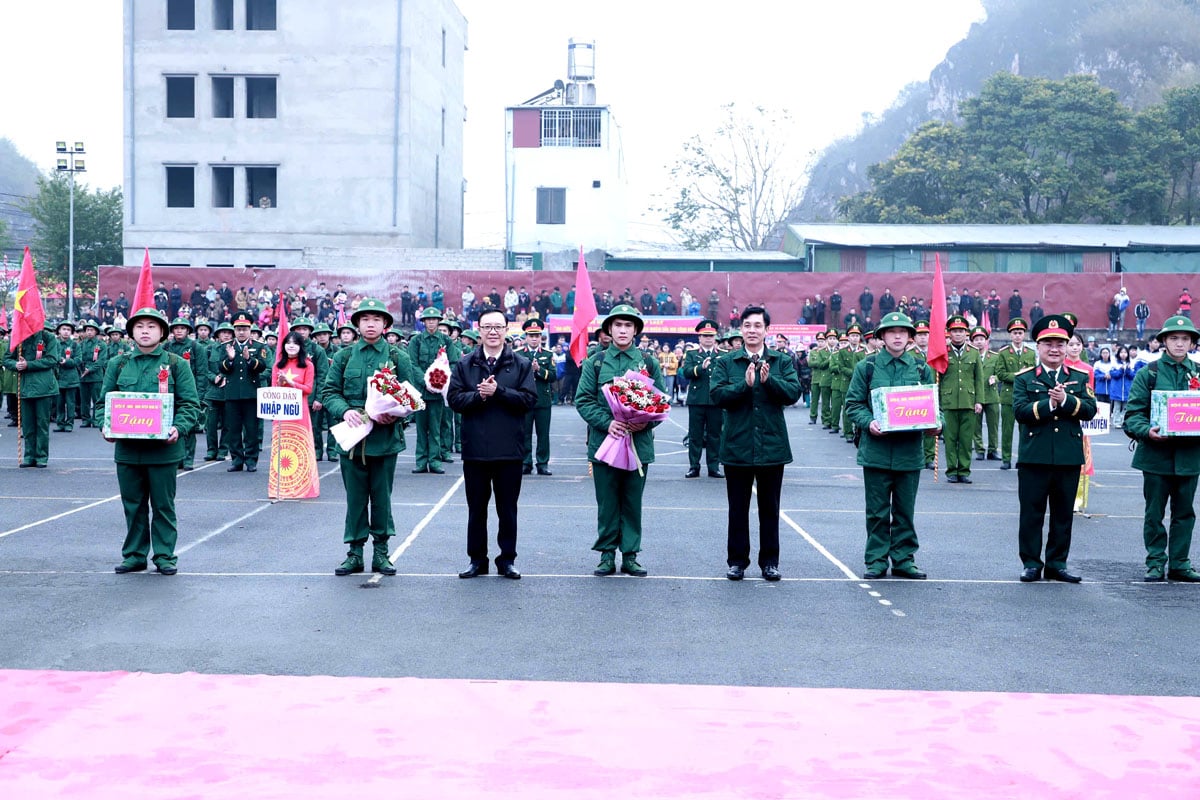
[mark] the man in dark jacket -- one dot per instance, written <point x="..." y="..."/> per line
<point x="493" y="388"/>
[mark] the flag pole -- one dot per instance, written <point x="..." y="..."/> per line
<point x="20" y="427"/>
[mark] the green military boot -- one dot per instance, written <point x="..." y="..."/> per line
<point x="607" y="565"/>
<point x="1186" y="575"/>
<point x="630" y="566"/>
<point x="379" y="556"/>
<point x="353" y="562"/>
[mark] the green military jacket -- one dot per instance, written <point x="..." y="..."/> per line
<point x="989" y="360"/>
<point x="699" y="377"/>
<point x="1178" y="455"/>
<point x="594" y="374"/>
<point x="1051" y="437"/>
<point x="242" y="372"/>
<point x="138" y="372"/>
<point x="39" y="378"/>
<point x="818" y="362"/>
<point x="8" y="377"/>
<point x="422" y="352"/>
<point x="193" y="353"/>
<point x="901" y="451"/>
<point x="93" y="354"/>
<point x="544" y="374"/>
<point x="842" y="364"/>
<point x="320" y="361"/>
<point x="68" y="364"/>
<point x="346" y="388"/>
<point x="1008" y="363"/>
<point x="215" y="385"/>
<point x="961" y="386"/>
<point x="754" y="431"/>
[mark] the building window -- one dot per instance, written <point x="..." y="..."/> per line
<point x="222" y="15"/>
<point x="260" y="187"/>
<point x="181" y="96"/>
<point x="222" y="97"/>
<point x="181" y="15"/>
<point x="551" y="206"/>
<point x="222" y="187"/>
<point x="260" y="98"/>
<point x="570" y="127"/>
<point x="181" y="187"/>
<point x="260" y="15"/>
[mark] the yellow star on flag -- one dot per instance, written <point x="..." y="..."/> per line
<point x="17" y="301"/>
<point x="291" y="376"/>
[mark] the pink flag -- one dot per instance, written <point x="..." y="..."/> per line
<point x="29" y="317"/>
<point x="938" y="357"/>
<point x="585" y="311"/>
<point x="143" y="295"/>
<point x="283" y="330"/>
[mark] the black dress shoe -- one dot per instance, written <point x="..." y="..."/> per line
<point x="447" y="459"/>
<point x="716" y="473"/>
<point x="771" y="573"/>
<point x="420" y="470"/>
<point x="812" y="422"/>
<point x="980" y="457"/>
<point x="252" y="468"/>
<point x="1031" y="574"/>
<point x="993" y="457"/>
<point x="1006" y="465"/>
<point x="544" y="471"/>
<point x="234" y="468"/>
<point x="23" y="465"/>
<point x="527" y="469"/>
<point x="964" y="479"/>
<point x="1061" y="575"/>
<point x="211" y="458"/>
<point x="928" y="465"/>
<point x="694" y="472"/>
<point x="508" y="571"/>
<point x="166" y="569"/>
<point x="911" y="573"/>
<point x="875" y="574"/>
<point x="736" y="573"/>
<point x="437" y="470"/>
<point x="951" y="479"/>
<point x="474" y="570"/>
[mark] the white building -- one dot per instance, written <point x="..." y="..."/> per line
<point x="257" y="129"/>
<point x="564" y="176"/>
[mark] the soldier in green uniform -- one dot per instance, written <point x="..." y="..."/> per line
<point x="35" y="361"/>
<point x="891" y="462"/>
<point x="704" y="415"/>
<point x="423" y="351"/>
<point x="1011" y="359"/>
<point x="369" y="468"/>
<point x="846" y="360"/>
<point x="960" y="395"/>
<point x="320" y="361"/>
<point x="182" y="345"/>
<point x="8" y="382"/>
<point x="990" y="417"/>
<point x="323" y="441"/>
<point x="1049" y="401"/>
<point x="242" y="361"/>
<point x="831" y="347"/>
<point x="93" y="357"/>
<point x="538" y="417"/>
<point x="818" y="363"/>
<point x="450" y="328"/>
<point x="1170" y="465"/>
<point x="117" y="344"/>
<point x="618" y="491"/>
<point x="146" y="467"/>
<point x="920" y="349"/>
<point x="216" y="435"/>
<point x="68" y="376"/>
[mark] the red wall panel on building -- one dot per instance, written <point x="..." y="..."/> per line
<point x="527" y="127"/>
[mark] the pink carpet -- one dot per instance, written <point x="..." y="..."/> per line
<point x="123" y="735"/>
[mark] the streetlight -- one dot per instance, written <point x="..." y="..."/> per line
<point x="70" y="160"/>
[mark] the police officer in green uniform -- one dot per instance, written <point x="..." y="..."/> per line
<point x="961" y="397"/>
<point x="369" y="468"/>
<point x="242" y="361"/>
<point x="37" y="389"/>
<point x="423" y="351"/>
<point x="618" y="491"/>
<point x="93" y="356"/>
<point x="1011" y="359"/>
<point x="891" y="462"/>
<point x="990" y="417"/>
<point x="68" y="376"/>
<point x="216" y="434"/>
<point x="818" y="363"/>
<point x="146" y="468"/>
<point x="920" y="349"/>
<point x="704" y="415"/>
<point x="1049" y="401"/>
<point x="182" y="345"/>
<point x="538" y="417"/>
<point x="831" y="347"/>
<point x="1170" y="465"/>
<point x="846" y="360"/>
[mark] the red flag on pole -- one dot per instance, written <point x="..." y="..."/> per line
<point x="29" y="317"/>
<point x="585" y="311"/>
<point x="143" y="295"/>
<point x="937" y="356"/>
<point x="283" y="329"/>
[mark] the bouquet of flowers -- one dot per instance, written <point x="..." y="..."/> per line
<point x="437" y="377"/>
<point x="387" y="395"/>
<point x="633" y="399"/>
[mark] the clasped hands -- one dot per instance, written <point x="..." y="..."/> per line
<point x="762" y="369"/>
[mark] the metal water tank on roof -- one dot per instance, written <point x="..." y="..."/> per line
<point x="581" y="60"/>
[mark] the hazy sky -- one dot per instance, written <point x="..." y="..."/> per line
<point x="665" y="67"/>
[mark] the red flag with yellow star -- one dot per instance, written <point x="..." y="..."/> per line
<point x="29" y="316"/>
<point x="143" y="295"/>
<point x="283" y="329"/>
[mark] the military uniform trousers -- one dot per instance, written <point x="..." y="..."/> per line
<point x="739" y="485"/>
<point x="35" y="428"/>
<point x="704" y="435"/>
<point x="216" y="435"/>
<point x="91" y="409"/>
<point x="891" y="500"/>
<point x="1039" y="486"/>
<point x="241" y="428"/>
<point x="429" y="434"/>
<point x="451" y="433"/>
<point x="847" y="425"/>
<point x="1008" y="420"/>
<point x="482" y="479"/>
<point x="67" y="406"/>
<point x="368" y="481"/>
<point x="929" y="446"/>
<point x="1173" y="546"/>
<point x="826" y="398"/>
<point x="958" y="433"/>
<point x="618" y="508"/>
<point x="837" y="403"/>
<point x="989" y="418"/>
<point x="148" y="498"/>
<point x="537" y="420"/>
<point x="323" y="442"/>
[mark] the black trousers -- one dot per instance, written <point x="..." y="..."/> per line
<point x="241" y="427"/>
<point x="739" y="484"/>
<point x="1039" y="486"/>
<point x="481" y="479"/>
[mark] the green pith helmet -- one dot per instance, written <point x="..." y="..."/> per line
<point x="322" y="327"/>
<point x="624" y="311"/>
<point x="429" y="313"/>
<point x="148" y="313"/>
<point x="66" y="323"/>
<point x="1177" y="324"/>
<point x="453" y="323"/>
<point x="346" y="326"/>
<point x="895" y="320"/>
<point x="184" y="321"/>
<point x="203" y="323"/>
<point x="225" y="326"/>
<point x="303" y="322"/>
<point x="91" y="323"/>
<point x="373" y="305"/>
<point x="470" y="334"/>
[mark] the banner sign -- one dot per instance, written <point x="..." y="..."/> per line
<point x="1098" y="425"/>
<point x="138" y="415"/>
<point x="653" y="326"/>
<point x="277" y="402"/>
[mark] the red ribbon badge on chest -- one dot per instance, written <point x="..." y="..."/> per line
<point x="41" y="348"/>
<point x="163" y="375"/>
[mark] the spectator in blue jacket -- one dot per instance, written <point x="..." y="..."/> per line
<point x="1120" y="378"/>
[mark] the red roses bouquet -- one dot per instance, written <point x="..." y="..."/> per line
<point x="389" y="396"/>
<point x="437" y="377"/>
<point x="633" y="399"/>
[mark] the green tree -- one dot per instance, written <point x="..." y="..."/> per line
<point x="1182" y="112"/>
<point x="98" y="230"/>
<point x="737" y="185"/>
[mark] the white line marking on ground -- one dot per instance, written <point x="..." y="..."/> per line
<point x="420" y="526"/>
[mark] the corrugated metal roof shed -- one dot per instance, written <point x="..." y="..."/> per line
<point x="1022" y="236"/>
<point x="701" y="255"/>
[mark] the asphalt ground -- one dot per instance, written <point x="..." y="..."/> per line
<point x="256" y="591"/>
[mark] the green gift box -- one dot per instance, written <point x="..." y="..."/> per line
<point x="1175" y="413"/>
<point x="138" y="415"/>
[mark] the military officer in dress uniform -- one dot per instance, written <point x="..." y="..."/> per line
<point x="182" y="345"/>
<point x="538" y="418"/>
<point x="704" y="415"/>
<point x="1011" y="359"/>
<point x="35" y="361"/>
<point x="844" y="363"/>
<point x="1170" y="465"/>
<point x="242" y="361"/>
<point x="818" y="363"/>
<point x="93" y="356"/>
<point x="216" y="434"/>
<point x="990" y="417"/>
<point x="961" y="397"/>
<point x="68" y="376"/>
<point x="423" y="351"/>
<point x="618" y="491"/>
<point x="1049" y="401"/>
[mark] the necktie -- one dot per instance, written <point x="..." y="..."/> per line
<point x="491" y="362"/>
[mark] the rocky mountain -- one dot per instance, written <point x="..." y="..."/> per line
<point x="18" y="183"/>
